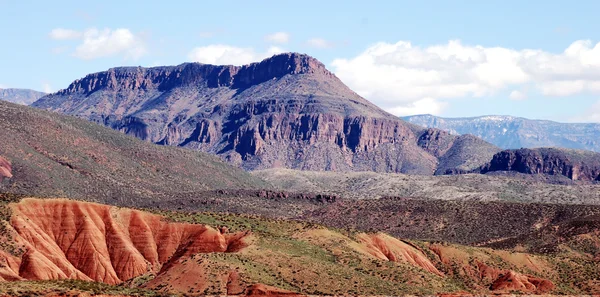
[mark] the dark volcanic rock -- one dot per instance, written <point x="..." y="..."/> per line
<point x="286" y="111"/>
<point x="576" y="165"/>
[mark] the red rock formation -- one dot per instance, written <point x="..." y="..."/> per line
<point x="513" y="281"/>
<point x="385" y="247"/>
<point x="234" y="284"/>
<point x="75" y="240"/>
<point x="264" y="290"/>
<point x="484" y="276"/>
<point x="5" y="169"/>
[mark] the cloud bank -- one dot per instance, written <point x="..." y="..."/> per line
<point x="403" y="78"/>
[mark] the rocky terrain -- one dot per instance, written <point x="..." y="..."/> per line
<point x="61" y="246"/>
<point x="20" y="96"/>
<point x="47" y="154"/>
<point x="513" y="132"/>
<point x="286" y="111"/>
<point x="574" y="164"/>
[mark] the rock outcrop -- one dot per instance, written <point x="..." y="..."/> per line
<point x="63" y="239"/>
<point x="264" y="290"/>
<point x="286" y="111"/>
<point x="574" y="164"/>
<point x="512" y="281"/>
<point x="5" y="169"/>
<point x="484" y="276"/>
<point x="385" y="247"/>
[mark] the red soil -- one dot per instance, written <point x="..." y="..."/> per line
<point x="264" y="290"/>
<point x="385" y="247"/>
<point x="513" y="281"/>
<point x="498" y="280"/>
<point x="5" y="169"/>
<point x="74" y="240"/>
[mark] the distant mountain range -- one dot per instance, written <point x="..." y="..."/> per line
<point x="286" y="111"/>
<point x="513" y="132"/>
<point x="20" y="96"/>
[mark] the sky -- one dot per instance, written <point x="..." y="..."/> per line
<point x="535" y="59"/>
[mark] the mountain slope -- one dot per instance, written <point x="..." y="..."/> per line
<point x="286" y="111"/>
<point x="48" y="154"/>
<point x="20" y="96"/>
<point x="513" y="132"/>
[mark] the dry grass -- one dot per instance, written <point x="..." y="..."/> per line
<point x="367" y="185"/>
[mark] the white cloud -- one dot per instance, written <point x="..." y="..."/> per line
<point x="319" y="43"/>
<point x="2" y="86"/>
<point x="219" y="54"/>
<point x="101" y="43"/>
<point x="64" y="34"/>
<point x="401" y="74"/>
<point x="278" y="37"/>
<point x="104" y="43"/>
<point x="517" y="95"/>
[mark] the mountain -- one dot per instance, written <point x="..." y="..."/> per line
<point x="574" y="164"/>
<point x="20" y="96"/>
<point x="59" y="247"/>
<point x="286" y="111"/>
<point x="48" y="154"/>
<point x="513" y="132"/>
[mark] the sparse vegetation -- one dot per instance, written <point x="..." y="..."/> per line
<point x="474" y="187"/>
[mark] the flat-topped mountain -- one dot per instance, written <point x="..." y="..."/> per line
<point x="510" y="132"/>
<point x="574" y="164"/>
<point x="20" y="96"/>
<point x="286" y="111"/>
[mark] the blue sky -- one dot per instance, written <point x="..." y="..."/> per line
<point x="536" y="59"/>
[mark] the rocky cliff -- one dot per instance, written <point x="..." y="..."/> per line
<point x="574" y="164"/>
<point x="286" y="111"/>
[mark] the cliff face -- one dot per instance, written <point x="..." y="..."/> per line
<point x="576" y="165"/>
<point x="286" y="111"/>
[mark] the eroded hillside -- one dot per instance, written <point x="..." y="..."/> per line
<point x="55" y="240"/>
